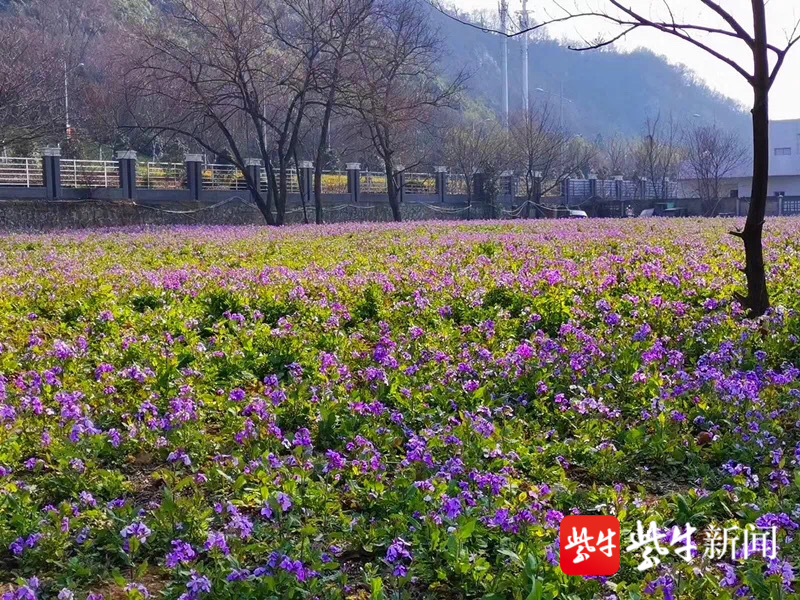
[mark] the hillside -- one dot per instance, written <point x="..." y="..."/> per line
<point x="605" y="92"/>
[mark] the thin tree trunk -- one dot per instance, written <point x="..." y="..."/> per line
<point x="391" y="190"/>
<point x="280" y="201"/>
<point x="323" y="138"/>
<point x="301" y="187"/>
<point x="757" y="300"/>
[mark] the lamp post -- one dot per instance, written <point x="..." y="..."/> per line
<point x="67" y="71"/>
<point x="561" y="103"/>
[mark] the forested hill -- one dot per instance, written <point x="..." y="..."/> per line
<point x="606" y="92"/>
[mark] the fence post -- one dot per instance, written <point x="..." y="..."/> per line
<point x="354" y="181"/>
<point x="780" y="205"/>
<point x="618" y="185"/>
<point x="592" y="185"/>
<point x="643" y="187"/>
<point x="537" y="192"/>
<point x="127" y="173"/>
<point x="253" y="168"/>
<point x="400" y="171"/>
<point x="508" y="186"/>
<point x="51" y="172"/>
<point x="566" y="191"/>
<point x="194" y="175"/>
<point x="441" y="182"/>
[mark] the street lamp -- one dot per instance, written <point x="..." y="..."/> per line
<point x="67" y="71"/>
<point x="561" y="103"/>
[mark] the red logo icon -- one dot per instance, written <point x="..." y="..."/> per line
<point x="589" y="545"/>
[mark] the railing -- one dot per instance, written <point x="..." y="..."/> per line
<point x="456" y="185"/>
<point x="334" y="182"/>
<point x="373" y="182"/>
<point x="89" y="173"/>
<point x="420" y="183"/>
<point x="21" y="172"/>
<point x="292" y="183"/>
<point x="223" y="177"/>
<point x="27" y="172"/>
<point x="161" y="176"/>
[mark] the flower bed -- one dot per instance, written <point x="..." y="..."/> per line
<point x="380" y="411"/>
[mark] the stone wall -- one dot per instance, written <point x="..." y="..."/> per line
<point x="44" y="215"/>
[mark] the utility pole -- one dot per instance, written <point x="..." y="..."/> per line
<point x="66" y="101"/>
<point x="504" y="29"/>
<point x="525" y="39"/>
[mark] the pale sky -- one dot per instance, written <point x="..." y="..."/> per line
<point x="781" y="16"/>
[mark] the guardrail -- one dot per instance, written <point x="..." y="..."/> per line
<point x="27" y="172"/>
<point x="161" y="175"/>
<point x="21" y="172"/>
<point x="77" y="173"/>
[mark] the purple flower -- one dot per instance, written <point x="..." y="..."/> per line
<point x="241" y="525"/>
<point x="302" y="438"/>
<point x="398" y="551"/>
<point x="182" y="554"/>
<point x="216" y="540"/>
<point x="137" y="530"/>
<point x="284" y="501"/>
<point x="198" y="584"/>
<point x="451" y="507"/>
<point x="138" y="588"/>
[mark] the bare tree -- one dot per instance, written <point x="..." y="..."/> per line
<point x="712" y="155"/>
<point x="396" y="90"/>
<point x="657" y="156"/>
<point x="345" y="18"/>
<point x="234" y="76"/>
<point x="478" y="146"/>
<point x="544" y="146"/>
<point x="615" y="157"/>
<point x="29" y="94"/>
<point x="718" y="25"/>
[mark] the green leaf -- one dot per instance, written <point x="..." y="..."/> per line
<point x="377" y="589"/>
<point x="511" y="554"/>
<point x="466" y="530"/>
<point x="531" y="564"/>
<point x="537" y="590"/>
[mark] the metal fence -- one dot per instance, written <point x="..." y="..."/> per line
<point x="292" y="182"/>
<point x="77" y="173"/>
<point x="161" y="176"/>
<point x="21" y="172"/>
<point x="373" y="182"/>
<point x="223" y="177"/>
<point x="420" y="183"/>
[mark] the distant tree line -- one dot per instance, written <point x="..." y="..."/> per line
<point x="326" y="80"/>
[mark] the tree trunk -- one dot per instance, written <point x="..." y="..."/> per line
<point x="302" y="187"/>
<point x="283" y="192"/>
<point x="318" y="185"/>
<point x="323" y="138"/>
<point x="263" y="206"/>
<point x="757" y="299"/>
<point x="326" y="119"/>
<point x="391" y="190"/>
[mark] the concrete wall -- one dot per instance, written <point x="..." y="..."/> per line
<point x="788" y="184"/>
<point x="105" y="209"/>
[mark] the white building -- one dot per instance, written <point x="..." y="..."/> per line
<point x="784" y="166"/>
<point x="784" y="161"/>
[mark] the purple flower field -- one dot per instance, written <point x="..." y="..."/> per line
<point x="393" y="411"/>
